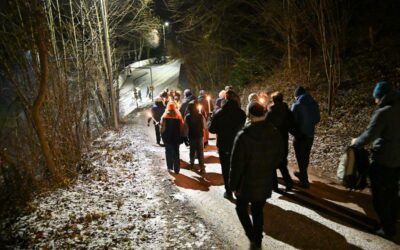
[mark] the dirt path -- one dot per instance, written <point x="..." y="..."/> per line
<point x="288" y="223"/>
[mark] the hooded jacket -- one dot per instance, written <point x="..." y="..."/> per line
<point x="194" y="122"/>
<point x="256" y="153"/>
<point x="306" y="114"/>
<point x="157" y="111"/>
<point x="384" y="132"/>
<point x="171" y="127"/>
<point x="226" y="123"/>
<point x="185" y="103"/>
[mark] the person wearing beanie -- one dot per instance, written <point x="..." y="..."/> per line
<point x="226" y="122"/>
<point x="282" y="118"/>
<point x="306" y="116"/>
<point x="253" y="97"/>
<point x="171" y="128"/>
<point x="256" y="153"/>
<point x="384" y="134"/>
<point x="157" y="110"/>
<point x="188" y="97"/>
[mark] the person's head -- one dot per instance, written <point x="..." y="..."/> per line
<point x="252" y="97"/>
<point x="277" y="97"/>
<point x="380" y="90"/>
<point x="228" y="87"/>
<point x="202" y="92"/>
<point x="299" y="91"/>
<point x="221" y="94"/>
<point x="171" y="106"/>
<point x="229" y="95"/>
<point x="187" y="93"/>
<point x="256" y="111"/>
<point x="158" y="100"/>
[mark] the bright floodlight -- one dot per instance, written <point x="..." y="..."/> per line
<point x="166" y="23"/>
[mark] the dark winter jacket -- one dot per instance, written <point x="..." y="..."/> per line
<point x="171" y="127"/>
<point x="282" y="118"/>
<point x="306" y="114"/>
<point x="226" y="123"/>
<point x="384" y="132"/>
<point x="256" y="153"/>
<point x="185" y="103"/>
<point x="157" y="111"/>
<point x="194" y="122"/>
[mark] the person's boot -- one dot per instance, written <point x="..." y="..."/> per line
<point x="303" y="182"/>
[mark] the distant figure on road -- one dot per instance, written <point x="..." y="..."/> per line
<point x="195" y="124"/>
<point x="157" y="111"/>
<point x="139" y="94"/>
<point x="306" y="116"/>
<point x="383" y="132"/>
<point x="171" y="127"/>
<point x="256" y="153"/>
<point x="226" y="123"/>
<point x="281" y="117"/>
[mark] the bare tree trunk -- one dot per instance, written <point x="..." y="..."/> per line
<point x="109" y="63"/>
<point x="43" y="86"/>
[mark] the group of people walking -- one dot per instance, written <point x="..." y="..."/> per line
<point x="252" y="145"/>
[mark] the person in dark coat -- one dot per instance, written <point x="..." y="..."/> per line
<point x="171" y="127"/>
<point x="281" y="117"/>
<point x="226" y="123"/>
<point x="188" y="97"/>
<point x="195" y="124"/>
<point x="157" y="111"/>
<point x="306" y="116"/>
<point x="383" y="132"/>
<point x="235" y="96"/>
<point x="257" y="151"/>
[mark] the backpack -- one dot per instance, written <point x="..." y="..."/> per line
<point x="353" y="168"/>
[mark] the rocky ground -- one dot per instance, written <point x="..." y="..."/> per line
<point x="121" y="200"/>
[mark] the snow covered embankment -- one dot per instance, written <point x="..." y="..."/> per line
<point x="120" y="201"/>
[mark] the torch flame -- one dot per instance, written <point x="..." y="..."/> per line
<point x="208" y="98"/>
<point x="199" y="107"/>
<point x="262" y="100"/>
<point x="149" y="114"/>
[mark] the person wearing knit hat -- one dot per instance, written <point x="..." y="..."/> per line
<point x="256" y="153"/>
<point x="171" y="128"/>
<point x="157" y="110"/>
<point x="384" y="134"/>
<point x="188" y="97"/>
<point x="306" y="116"/>
<point x="381" y="89"/>
<point x="253" y="97"/>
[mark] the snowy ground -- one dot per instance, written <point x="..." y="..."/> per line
<point x="121" y="201"/>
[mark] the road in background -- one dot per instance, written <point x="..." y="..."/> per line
<point x="163" y="76"/>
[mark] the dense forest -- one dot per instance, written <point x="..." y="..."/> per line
<point x="323" y="44"/>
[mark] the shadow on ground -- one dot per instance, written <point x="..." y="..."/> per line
<point x="300" y="231"/>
